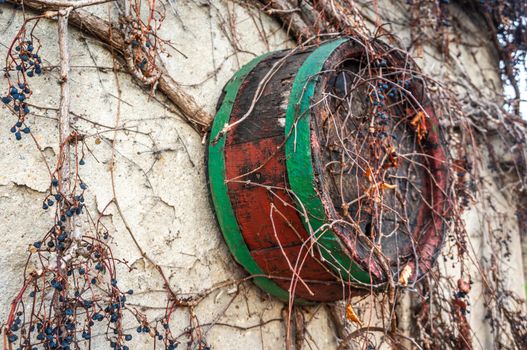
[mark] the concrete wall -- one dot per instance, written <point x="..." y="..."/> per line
<point x="160" y="173"/>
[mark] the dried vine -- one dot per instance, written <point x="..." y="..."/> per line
<point x="441" y="315"/>
<point x="73" y="287"/>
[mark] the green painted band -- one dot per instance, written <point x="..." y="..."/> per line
<point x="218" y="187"/>
<point x="300" y="165"/>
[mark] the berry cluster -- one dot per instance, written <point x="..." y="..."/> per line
<point x="27" y="63"/>
<point x="75" y="310"/>
<point x="30" y="62"/>
<point x="383" y="96"/>
<point x="67" y="303"/>
<point x="70" y="205"/>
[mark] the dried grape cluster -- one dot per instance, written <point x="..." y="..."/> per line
<point x="25" y="61"/>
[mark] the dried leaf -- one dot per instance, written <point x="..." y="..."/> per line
<point x="418" y="122"/>
<point x="352" y="316"/>
<point x="405" y="275"/>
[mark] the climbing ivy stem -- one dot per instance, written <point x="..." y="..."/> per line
<point x="64" y="128"/>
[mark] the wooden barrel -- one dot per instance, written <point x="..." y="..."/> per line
<point x="327" y="172"/>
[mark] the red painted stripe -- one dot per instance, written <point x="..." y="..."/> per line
<point x="252" y="204"/>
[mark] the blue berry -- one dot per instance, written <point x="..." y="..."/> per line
<point x="82" y="162"/>
<point x="50" y="202"/>
<point x="30" y="48"/>
<point x="12" y="338"/>
<point x="30" y="73"/>
<point x="26" y="109"/>
<point x="6" y="99"/>
<point x="69" y="312"/>
<point x="55" y="182"/>
<point x="13" y="90"/>
<point x="139" y="329"/>
<point x="130" y="291"/>
<point x="18" y="136"/>
<point x="26" y="130"/>
<point x="83" y="186"/>
<point x="86" y="335"/>
<point x="382" y="63"/>
<point x="37" y="244"/>
<point x="82" y="271"/>
<point x="18" y="124"/>
<point x="13" y="129"/>
<point x="128" y="337"/>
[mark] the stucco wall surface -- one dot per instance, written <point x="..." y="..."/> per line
<point x="159" y="168"/>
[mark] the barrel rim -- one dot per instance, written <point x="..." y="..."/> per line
<point x="300" y="170"/>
